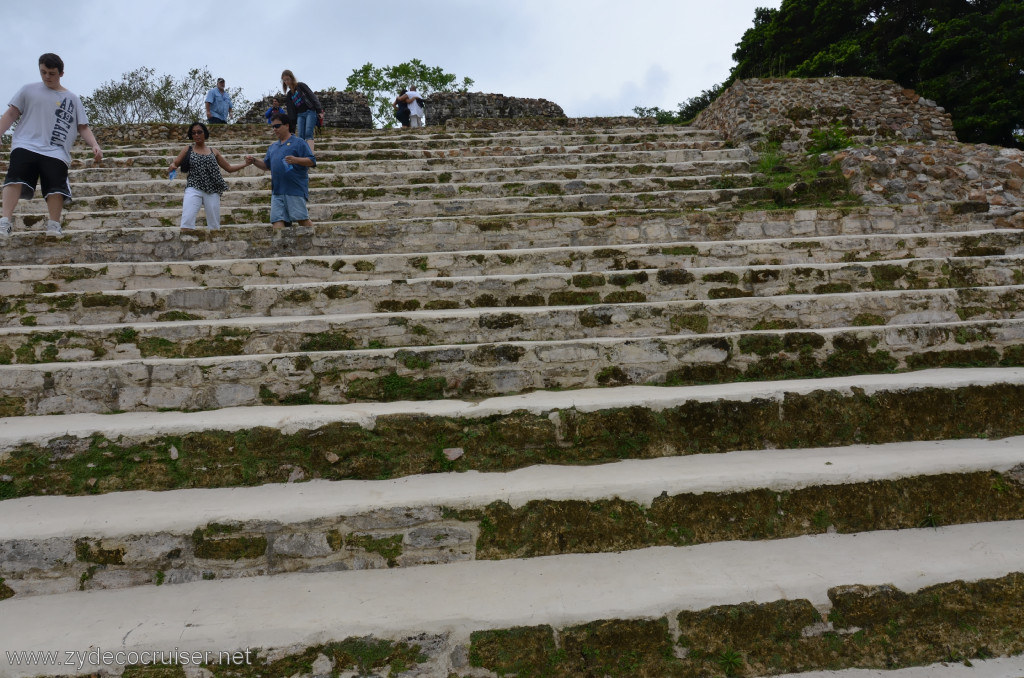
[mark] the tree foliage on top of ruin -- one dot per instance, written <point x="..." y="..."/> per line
<point x="142" y="95"/>
<point x="380" y="85"/>
<point x="967" y="55"/>
<point x="688" y="109"/>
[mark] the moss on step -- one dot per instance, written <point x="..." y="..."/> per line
<point x="87" y="551"/>
<point x="390" y="548"/>
<point x="522" y="650"/>
<point x="391" y="387"/>
<point x="335" y="340"/>
<point x="545" y="527"/>
<point x="210" y="543"/>
<point x="401" y="445"/>
<point x="352" y="656"/>
<point x="876" y="627"/>
<point x="12" y="406"/>
<point x="5" y="590"/>
<point x="694" y="322"/>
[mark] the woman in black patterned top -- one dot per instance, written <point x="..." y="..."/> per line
<point x="205" y="183"/>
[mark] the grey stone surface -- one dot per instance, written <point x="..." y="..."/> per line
<point x="386" y="519"/>
<point x="438" y="536"/>
<point x="322" y="667"/>
<point x="46" y="554"/>
<point x="303" y="545"/>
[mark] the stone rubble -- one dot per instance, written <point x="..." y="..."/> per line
<point x="934" y="172"/>
<point x="791" y="108"/>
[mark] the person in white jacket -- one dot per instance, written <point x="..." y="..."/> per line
<point x="415" y="107"/>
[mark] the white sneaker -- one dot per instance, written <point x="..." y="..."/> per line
<point x="53" y="228"/>
<point x="5" y="227"/>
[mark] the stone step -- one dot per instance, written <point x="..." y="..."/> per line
<point x="397" y="151"/>
<point x="894" y="326"/>
<point x="930" y="317"/>
<point x="441" y="140"/>
<point x="120" y="239"/>
<point x="94" y="453"/>
<point x="155" y="166"/>
<point x="122" y="539"/>
<point x="324" y="206"/>
<point x="868" y="249"/>
<point x="431" y="139"/>
<point x="249" y="191"/>
<point x="487" y="370"/>
<point x="510" y="291"/>
<point x="140" y="181"/>
<point x="812" y="574"/>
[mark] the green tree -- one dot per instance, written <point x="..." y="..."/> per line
<point x="142" y="95"/>
<point x="688" y="109"/>
<point x="380" y="85"/>
<point x="661" y="115"/>
<point x="968" y="55"/>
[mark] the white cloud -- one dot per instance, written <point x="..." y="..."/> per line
<point x="594" y="57"/>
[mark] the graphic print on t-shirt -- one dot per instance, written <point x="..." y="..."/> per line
<point x="64" y="122"/>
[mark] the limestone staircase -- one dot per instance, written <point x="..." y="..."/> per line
<point x="561" y="402"/>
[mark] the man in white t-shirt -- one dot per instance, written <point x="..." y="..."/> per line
<point x="49" y="119"/>
<point x="415" y="107"/>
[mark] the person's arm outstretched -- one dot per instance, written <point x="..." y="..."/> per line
<point x="256" y="161"/>
<point x="228" y="167"/>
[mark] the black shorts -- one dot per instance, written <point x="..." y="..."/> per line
<point x="27" y="167"/>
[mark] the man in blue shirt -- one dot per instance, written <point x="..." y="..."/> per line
<point x="276" y="108"/>
<point x="218" y="104"/>
<point x="288" y="160"/>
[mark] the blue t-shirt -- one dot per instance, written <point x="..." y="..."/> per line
<point x="220" y="103"/>
<point x="288" y="179"/>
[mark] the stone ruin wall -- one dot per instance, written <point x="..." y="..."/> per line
<point x="350" y="110"/>
<point x="174" y="132"/>
<point x="789" y="109"/>
<point x="444" y="106"/>
<point x="905" y="148"/>
<point x="497" y="124"/>
<point x="982" y="176"/>
<point x="344" y="110"/>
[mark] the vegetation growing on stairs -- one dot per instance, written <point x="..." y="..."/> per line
<point x="401" y="445"/>
<point x="878" y="627"/>
<point x="546" y="527"/>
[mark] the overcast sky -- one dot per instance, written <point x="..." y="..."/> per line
<point x="592" y="57"/>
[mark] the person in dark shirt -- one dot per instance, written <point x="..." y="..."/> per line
<point x="401" y="105"/>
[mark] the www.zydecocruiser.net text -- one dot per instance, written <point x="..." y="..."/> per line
<point x="99" y="657"/>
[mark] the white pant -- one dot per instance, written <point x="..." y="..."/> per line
<point x="415" y="121"/>
<point x="194" y="199"/>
